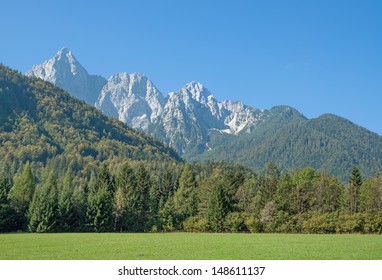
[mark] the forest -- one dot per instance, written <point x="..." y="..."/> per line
<point x="158" y="196"/>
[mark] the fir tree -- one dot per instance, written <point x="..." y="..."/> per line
<point x="42" y="213"/>
<point x="100" y="202"/>
<point x="21" y="194"/>
<point x="142" y="202"/>
<point x="355" y="183"/>
<point x="66" y="210"/>
<point x="7" y="214"/>
<point x="218" y="209"/>
<point x="126" y="192"/>
<point x="185" y="198"/>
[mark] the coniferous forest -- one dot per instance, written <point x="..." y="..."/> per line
<point x="65" y="167"/>
<point x="139" y="196"/>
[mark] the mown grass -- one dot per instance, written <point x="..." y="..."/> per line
<point x="188" y="246"/>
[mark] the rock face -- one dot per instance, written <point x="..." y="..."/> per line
<point x="66" y="72"/>
<point x="183" y="119"/>
<point x="191" y="113"/>
<point x="133" y="99"/>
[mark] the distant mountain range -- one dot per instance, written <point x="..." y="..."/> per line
<point x="200" y="128"/>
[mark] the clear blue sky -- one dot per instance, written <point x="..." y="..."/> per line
<point x="317" y="56"/>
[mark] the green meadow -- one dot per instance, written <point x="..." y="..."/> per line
<point x="188" y="246"/>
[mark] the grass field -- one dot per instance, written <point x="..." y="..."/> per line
<point x="188" y="246"/>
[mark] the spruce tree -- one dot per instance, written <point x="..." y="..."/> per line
<point x="42" y="212"/>
<point x="7" y="214"/>
<point x="124" y="197"/>
<point x="66" y="210"/>
<point x="185" y="198"/>
<point x="21" y="194"/>
<point x="218" y="209"/>
<point x="100" y="202"/>
<point x="5" y="187"/>
<point x="355" y="183"/>
<point x="142" y="199"/>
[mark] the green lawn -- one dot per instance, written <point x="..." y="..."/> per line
<point x="193" y="246"/>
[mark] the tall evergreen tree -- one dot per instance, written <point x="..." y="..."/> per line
<point x="7" y="214"/>
<point x="125" y="195"/>
<point x="100" y="202"/>
<point x="21" y="194"/>
<point x="355" y="183"/>
<point x="42" y="212"/>
<point x="185" y="198"/>
<point x="5" y="187"/>
<point x="142" y="202"/>
<point x="66" y="209"/>
<point x="218" y="209"/>
<point x="99" y="211"/>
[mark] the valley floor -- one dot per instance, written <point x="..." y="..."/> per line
<point x="189" y="246"/>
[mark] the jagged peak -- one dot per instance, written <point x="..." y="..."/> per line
<point x="198" y="91"/>
<point x="133" y="77"/>
<point x="66" y="55"/>
<point x="64" y="51"/>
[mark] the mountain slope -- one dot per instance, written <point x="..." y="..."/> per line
<point x="39" y="121"/>
<point x="66" y="72"/>
<point x="328" y="143"/>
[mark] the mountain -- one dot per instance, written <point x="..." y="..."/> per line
<point x="133" y="99"/>
<point x="66" y="72"/>
<point x="201" y="128"/>
<point x="190" y="114"/>
<point x="328" y="143"/>
<point x="39" y="121"/>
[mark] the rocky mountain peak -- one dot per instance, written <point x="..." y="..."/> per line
<point x="65" y="71"/>
<point x="132" y="98"/>
<point x="198" y="92"/>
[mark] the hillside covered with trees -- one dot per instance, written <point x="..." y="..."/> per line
<point x="328" y="143"/>
<point x="65" y="167"/>
<point x="39" y="122"/>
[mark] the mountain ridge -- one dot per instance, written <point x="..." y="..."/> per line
<point x="199" y="127"/>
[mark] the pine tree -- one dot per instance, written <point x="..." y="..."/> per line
<point x="7" y="214"/>
<point x="185" y="198"/>
<point x="99" y="211"/>
<point x="5" y="187"/>
<point x="66" y="210"/>
<point x="142" y="199"/>
<point x="21" y="194"/>
<point x="218" y="209"/>
<point x="105" y="180"/>
<point x="168" y="216"/>
<point x="42" y="212"/>
<point x="355" y="183"/>
<point x="100" y="202"/>
<point x="126" y="192"/>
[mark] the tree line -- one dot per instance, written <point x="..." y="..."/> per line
<point x="141" y="196"/>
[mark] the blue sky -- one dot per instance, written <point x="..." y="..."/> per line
<point x="317" y="56"/>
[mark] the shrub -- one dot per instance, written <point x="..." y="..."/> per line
<point x="372" y="223"/>
<point x="195" y="224"/>
<point x="234" y="222"/>
<point x="320" y="223"/>
<point x="350" y="223"/>
<point x="253" y="224"/>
